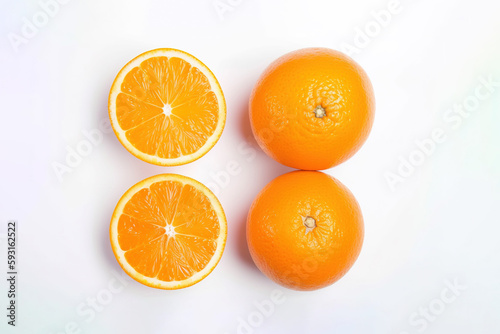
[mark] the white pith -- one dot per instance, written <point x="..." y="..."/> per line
<point x="152" y="281"/>
<point x="214" y="85"/>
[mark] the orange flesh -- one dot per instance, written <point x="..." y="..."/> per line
<point x="146" y="225"/>
<point x="166" y="107"/>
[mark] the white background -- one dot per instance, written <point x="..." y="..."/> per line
<point x="438" y="224"/>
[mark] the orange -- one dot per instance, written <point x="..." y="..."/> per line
<point x="168" y="231"/>
<point x="166" y="107"/>
<point x="305" y="230"/>
<point x="312" y="108"/>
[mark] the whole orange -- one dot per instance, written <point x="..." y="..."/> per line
<point x="305" y="230"/>
<point x="312" y="108"/>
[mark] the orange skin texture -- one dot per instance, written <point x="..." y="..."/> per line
<point x="283" y="101"/>
<point x="277" y="238"/>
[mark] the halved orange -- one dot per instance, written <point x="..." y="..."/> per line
<point x="168" y="231"/>
<point x="166" y="107"/>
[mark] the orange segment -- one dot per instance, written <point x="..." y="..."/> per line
<point x="147" y="136"/>
<point x="141" y="86"/>
<point x="166" y="107"/>
<point x="197" y="250"/>
<point x="168" y="231"/>
<point x="147" y="258"/>
<point x="196" y="216"/>
<point x="134" y="233"/>
<point x="168" y="194"/>
<point x="175" y="268"/>
<point x="144" y="207"/>
<point x="132" y="112"/>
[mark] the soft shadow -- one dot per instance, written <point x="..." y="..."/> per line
<point x="104" y="241"/>
<point x="273" y="169"/>
<point x="102" y="115"/>
<point x="241" y="240"/>
<point x="244" y="122"/>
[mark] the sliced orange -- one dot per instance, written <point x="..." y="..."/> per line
<point x="166" y="107"/>
<point x="168" y="231"/>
